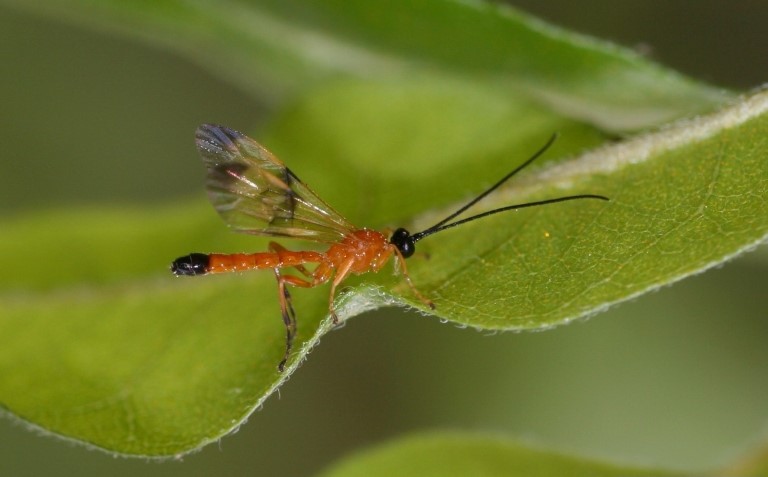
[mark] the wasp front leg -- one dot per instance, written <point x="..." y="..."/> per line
<point x="407" y="278"/>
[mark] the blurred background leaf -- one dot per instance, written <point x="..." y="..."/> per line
<point x="299" y="44"/>
<point x="446" y="453"/>
<point x="96" y="99"/>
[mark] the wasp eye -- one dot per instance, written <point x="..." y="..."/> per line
<point x="404" y="242"/>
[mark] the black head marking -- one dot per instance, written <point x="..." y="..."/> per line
<point x="403" y="240"/>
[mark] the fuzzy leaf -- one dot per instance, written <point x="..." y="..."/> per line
<point x="101" y="345"/>
<point x="107" y="348"/>
<point x="682" y="200"/>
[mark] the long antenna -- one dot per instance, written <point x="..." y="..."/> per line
<point x="418" y="236"/>
<point x="496" y="185"/>
<point x="442" y="224"/>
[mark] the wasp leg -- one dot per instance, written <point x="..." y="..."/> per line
<point x="289" y="317"/>
<point x="286" y="308"/>
<point x="407" y="278"/>
<point x="341" y="273"/>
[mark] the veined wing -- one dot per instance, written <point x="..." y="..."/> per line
<point x="255" y="193"/>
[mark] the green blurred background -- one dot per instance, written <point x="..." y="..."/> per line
<point x="675" y="379"/>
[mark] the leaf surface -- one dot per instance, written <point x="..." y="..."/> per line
<point x="102" y="345"/>
<point x="106" y="347"/>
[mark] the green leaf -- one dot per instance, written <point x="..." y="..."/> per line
<point x="151" y="366"/>
<point x="103" y="346"/>
<point x="461" y="454"/>
<point x="682" y="200"/>
<point x="276" y="48"/>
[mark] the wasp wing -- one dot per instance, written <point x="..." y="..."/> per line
<point x="255" y="193"/>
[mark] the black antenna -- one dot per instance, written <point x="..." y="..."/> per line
<point x="405" y="242"/>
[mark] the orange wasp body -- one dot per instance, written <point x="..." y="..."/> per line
<point x="256" y="193"/>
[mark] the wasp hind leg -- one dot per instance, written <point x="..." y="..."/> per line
<point x="286" y="309"/>
<point x="289" y="318"/>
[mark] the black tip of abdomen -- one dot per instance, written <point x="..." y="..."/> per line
<point x="192" y="264"/>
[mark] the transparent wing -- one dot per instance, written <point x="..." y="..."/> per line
<point x="255" y="193"/>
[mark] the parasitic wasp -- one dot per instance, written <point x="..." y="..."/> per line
<point x="256" y="193"/>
